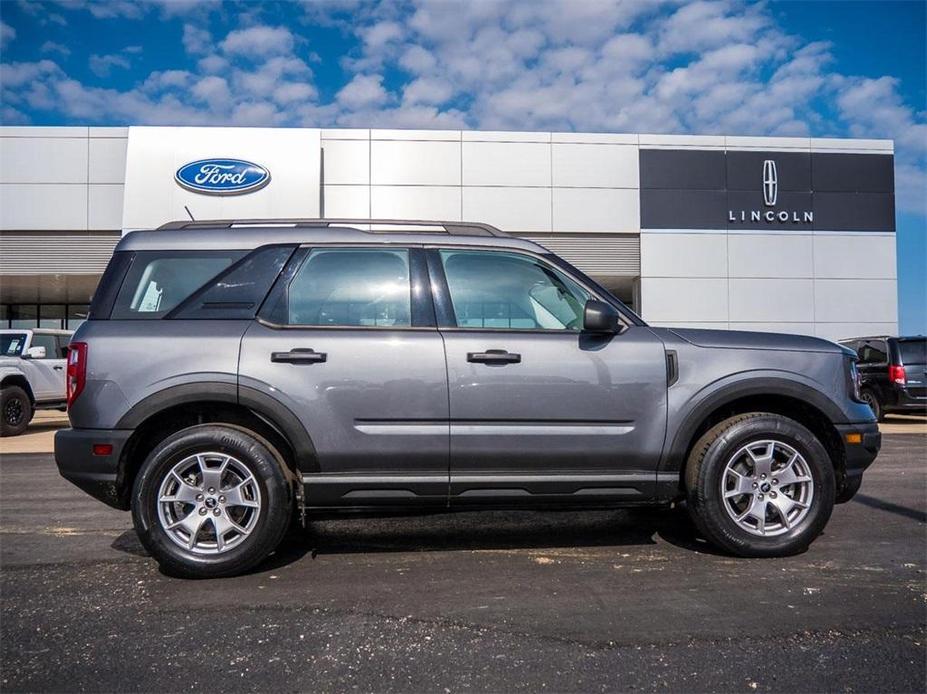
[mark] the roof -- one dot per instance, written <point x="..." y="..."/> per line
<point x="246" y="234"/>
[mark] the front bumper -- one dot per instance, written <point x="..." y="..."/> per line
<point x="861" y="444"/>
<point x="98" y="475"/>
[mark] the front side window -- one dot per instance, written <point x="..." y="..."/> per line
<point x="352" y="287"/>
<point x="48" y="342"/>
<point x="501" y="290"/>
<point x="158" y="281"/>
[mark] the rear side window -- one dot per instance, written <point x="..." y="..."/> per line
<point x="873" y="352"/>
<point x="238" y="293"/>
<point x="158" y="281"/>
<point x="350" y="287"/>
<point x="913" y="351"/>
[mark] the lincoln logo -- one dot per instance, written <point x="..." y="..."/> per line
<point x="770" y="183"/>
<point x="770" y="198"/>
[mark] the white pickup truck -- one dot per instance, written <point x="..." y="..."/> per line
<point x="33" y="365"/>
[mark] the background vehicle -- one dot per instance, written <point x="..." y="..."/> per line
<point x="894" y="373"/>
<point x="231" y="373"/>
<point x="32" y="364"/>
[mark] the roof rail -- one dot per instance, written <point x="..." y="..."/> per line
<point x="457" y="228"/>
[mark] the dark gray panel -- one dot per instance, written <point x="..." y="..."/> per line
<point x="744" y="206"/>
<point x="682" y="169"/>
<point x="851" y="173"/>
<point x="745" y="170"/>
<point x="683" y="209"/>
<point x="854" y="211"/>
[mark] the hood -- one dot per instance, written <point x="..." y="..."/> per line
<point x="10" y="362"/>
<point x="741" y="339"/>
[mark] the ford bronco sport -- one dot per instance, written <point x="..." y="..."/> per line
<point x="233" y="376"/>
<point x="31" y="375"/>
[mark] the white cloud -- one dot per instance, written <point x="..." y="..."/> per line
<point x="427" y="90"/>
<point x="196" y="40"/>
<point x="7" y="34"/>
<point x="258" y="41"/>
<point x="102" y="65"/>
<point x="362" y="92"/>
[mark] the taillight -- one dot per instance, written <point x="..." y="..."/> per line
<point x="77" y="370"/>
<point x="896" y="374"/>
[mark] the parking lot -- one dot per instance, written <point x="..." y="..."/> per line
<point x="615" y="600"/>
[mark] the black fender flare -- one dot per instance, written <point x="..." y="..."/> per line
<point x="674" y="459"/>
<point x="270" y="410"/>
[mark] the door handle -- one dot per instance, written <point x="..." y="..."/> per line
<point x="299" y="356"/>
<point x="494" y="356"/>
<point x="57" y="368"/>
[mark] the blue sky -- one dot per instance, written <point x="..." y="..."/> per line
<point x="852" y="69"/>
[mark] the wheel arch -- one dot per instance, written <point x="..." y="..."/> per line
<point x="806" y="405"/>
<point x="13" y="378"/>
<point x="161" y="414"/>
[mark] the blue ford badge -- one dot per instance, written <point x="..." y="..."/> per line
<point x="222" y="176"/>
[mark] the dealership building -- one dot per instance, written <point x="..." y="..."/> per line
<point x="753" y="233"/>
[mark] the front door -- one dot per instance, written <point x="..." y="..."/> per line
<point x="541" y="411"/>
<point x="47" y="375"/>
<point x="349" y="350"/>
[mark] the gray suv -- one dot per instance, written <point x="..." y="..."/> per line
<point x="234" y="375"/>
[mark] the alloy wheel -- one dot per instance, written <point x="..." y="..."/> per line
<point x="767" y="488"/>
<point x="209" y="503"/>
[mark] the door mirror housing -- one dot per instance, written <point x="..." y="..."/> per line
<point x="34" y="353"/>
<point x="599" y="317"/>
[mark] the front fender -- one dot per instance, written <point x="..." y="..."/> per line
<point x="697" y="407"/>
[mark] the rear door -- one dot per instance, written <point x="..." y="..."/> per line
<point x="539" y="410"/>
<point x="912" y="353"/>
<point x="347" y="342"/>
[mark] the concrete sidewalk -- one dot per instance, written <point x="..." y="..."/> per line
<point x="40" y="437"/>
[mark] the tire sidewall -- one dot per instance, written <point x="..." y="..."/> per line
<point x="710" y="503"/>
<point x="254" y="454"/>
<point x="10" y="393"/>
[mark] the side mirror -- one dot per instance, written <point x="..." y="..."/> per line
<point x="599" y="317"/>
<point x="35" y="353"/>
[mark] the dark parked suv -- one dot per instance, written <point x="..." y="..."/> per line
<point x="893" y="372"/>
<point x="235" y="375"/>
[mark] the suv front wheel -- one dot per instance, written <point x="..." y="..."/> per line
<point x="211" y="501"/>
<point x="760" y="485"/>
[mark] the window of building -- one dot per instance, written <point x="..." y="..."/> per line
<point x="52" y="316"/>
<point x="77" y="314"/>
<point x="354" y="287"/>
<point x="24" y="316"/>
<point x="506" y="290"/>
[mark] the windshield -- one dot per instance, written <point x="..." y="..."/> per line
<point x="11" y="344"/>
<point x="913" y="351"/>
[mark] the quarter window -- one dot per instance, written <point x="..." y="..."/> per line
<point x="873" y="352"/>
<point x="492" y="289"/>
<point x="352" y="287"/>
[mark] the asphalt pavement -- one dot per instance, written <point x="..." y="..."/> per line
<point x="491" y="601"/>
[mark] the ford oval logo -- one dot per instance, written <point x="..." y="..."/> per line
<point x="222" y="176"/>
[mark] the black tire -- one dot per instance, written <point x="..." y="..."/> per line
<point x="870" y="398"/>
<point x="706" y="466"/>
<point x="15" y="411"/>
<point x="274" y="513"/>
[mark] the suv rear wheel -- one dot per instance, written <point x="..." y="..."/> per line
<point x="760" y="485"/>
<point x="211" y="501"/>
<point x="15" y="410"/>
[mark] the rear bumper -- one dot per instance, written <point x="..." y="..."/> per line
<point x="906" y="402"/>
<point x="98" y="475"/>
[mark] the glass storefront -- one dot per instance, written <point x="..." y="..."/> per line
<point x="58" y="316"/>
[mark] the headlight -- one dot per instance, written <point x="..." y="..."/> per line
<point x="855" y="380"/>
